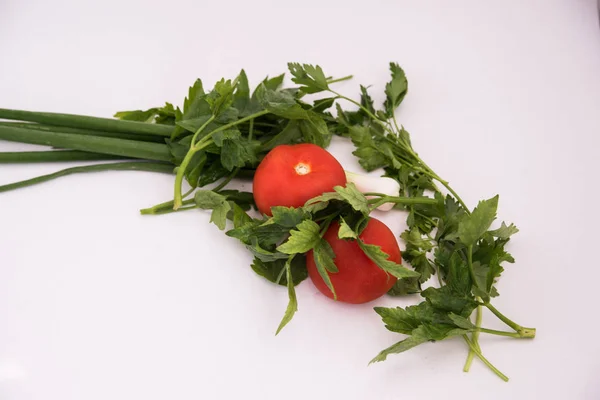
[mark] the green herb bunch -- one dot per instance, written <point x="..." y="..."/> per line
<point x="224" y="133"/>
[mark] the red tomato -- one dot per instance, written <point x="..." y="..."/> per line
<point x="290" y="175"/>
<point x="358" y="280"/>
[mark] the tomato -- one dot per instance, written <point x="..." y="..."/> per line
<point x="290" y="175"/>
<point x="358" y="280"/>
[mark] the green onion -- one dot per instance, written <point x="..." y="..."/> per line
<point x="64" y="129"/>
<point x="124" y="166"/>
<point x="53" y="156"/>
<point x="87" y="122"/>
<point x="94" y="144"/>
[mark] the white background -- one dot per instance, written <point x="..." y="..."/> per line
<point x="99" y="302"/>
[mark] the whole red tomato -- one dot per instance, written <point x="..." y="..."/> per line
<point x="290" y="175"/>
<point x="358" y="280"/>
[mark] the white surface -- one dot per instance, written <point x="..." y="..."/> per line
<point x="98" y="302"/>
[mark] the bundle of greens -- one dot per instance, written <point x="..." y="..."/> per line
<point x="224" y="133"/>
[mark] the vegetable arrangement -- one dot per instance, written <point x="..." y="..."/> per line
<point x="306" y="216"/>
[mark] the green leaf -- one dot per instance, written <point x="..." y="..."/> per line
<point x="402" y="320"/>
<point x="416" y="251"/>
<point x="345" y="232"/>
<point x="303" y="238"/>
<point x="263" y="254"/>
<point x="229" y="134"/>
<point x="323" y="256"/>
<point x="212" y="171"/>
<point x="461" y="322"/>
<point x="272" y="270"/>
<point x="366" y="101"/>
<point x="311" y="77"/>
<point x="472" y="227"/>
<point x="273" y="83"/>
<point x="138" y="115"/>
<point x="321" y="202"/>
<point x="405" y="286"/>
<point x="209" y="200"/>
<point x="289" y="216"/>
<point x="280" y="103"/>
<point x="221" y="97"/>
<point x="381" y="259"/>
<point x="395" y="90"/>
<point x="314" y="130"/>
<point x="354" y="197"/>
<point x="504" y="232"/>
<point x="239" y="153"/>
<point x="458" y="277"/>
<point x="239" y="216"/>
<point x="320" y="105"/>
<point x="293" y="302"/>
<point x="261" y="233"/>
<point x="219" y="215"/>
<point x="368" y="151"/>
<point x="241" y="97"/>
<point x="192" y="125"/>
<point x="291" y="134"/>
<point x="414" y="340"/>
<point x="447" y="300"/>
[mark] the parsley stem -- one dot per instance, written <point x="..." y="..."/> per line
<point x="399" y="200"/>
<point x="356" y="103"/>
<point x="165" y="205"/>
<point x="345" y="78"/>
<point x="478" y="320"/>
<point x="53" y="156"/>
<point x="503" y="333"/>
<point x="524" y="332"/>
<point x="204" y="125"/>
<point x="484" y="360"/>
<point x="87" y="122"/>
<point x="122" y="166"/>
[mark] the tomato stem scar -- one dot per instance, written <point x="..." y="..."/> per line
<point x="302" y="169"/>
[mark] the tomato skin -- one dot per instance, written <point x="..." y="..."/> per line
<point x="358" y="280"/>
<point x="290" y="175"/>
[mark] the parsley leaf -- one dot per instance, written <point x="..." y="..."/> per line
<point x="405" y="286"/>
<point x="209" y="200"/>
<point x="345" y="232"/>
<point x="323" y="255"/>
<point x="315" y="130"/>
<point x="293" y="302"/>
<point x="311" y="77"/>
<point x="416" y="252"/>
<point x="354" y="197"/>
<point x="420" y="335"/>
<point x="289" y="216"/>
<point x="241" y="97"/>
<point x="304" y="238"/>
<point x="472" y="227"/>
<point x="221" y="97"/>
<point x="446" y="299"/>
<point x="291" y="134"/>
<point x="272" y="270"/>
<point x="280" y="103"/>
<point x="395" y="90"/>
<point x="504" y="232"/>
<point x="381" y="259"/>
